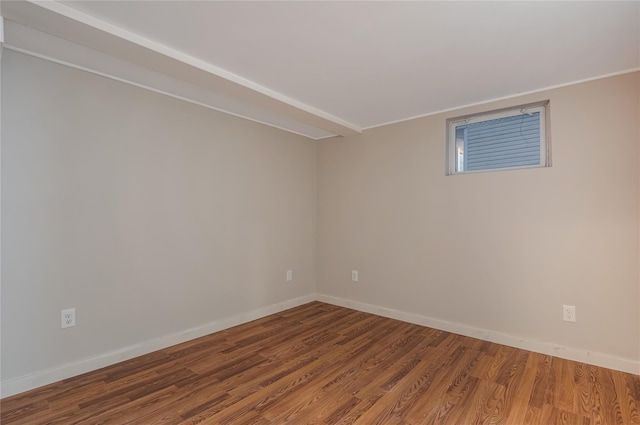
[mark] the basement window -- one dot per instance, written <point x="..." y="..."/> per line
<point x="497" y="140"/>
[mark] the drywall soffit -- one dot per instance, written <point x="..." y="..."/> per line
<point x="54" y="31"/>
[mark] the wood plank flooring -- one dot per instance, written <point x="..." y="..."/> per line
<point x="321" y="364"/>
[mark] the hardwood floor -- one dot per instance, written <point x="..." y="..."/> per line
<point x="321" y="364"/>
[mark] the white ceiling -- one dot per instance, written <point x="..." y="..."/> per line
<point x="327" y="68"/>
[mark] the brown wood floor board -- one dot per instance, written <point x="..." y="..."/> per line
<point x="326" y="365"/>
<point x="520" y="388"/>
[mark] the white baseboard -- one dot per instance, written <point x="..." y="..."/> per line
<point x="45" y="377"/>
<point x="548" y="348"/>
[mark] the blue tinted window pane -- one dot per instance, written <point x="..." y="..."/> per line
<point x="501" y="143"/>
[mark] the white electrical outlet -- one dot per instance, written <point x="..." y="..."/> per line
<point x="289" y="275"/>
<point x="569" y="313"/>
<point x="354" y="275"/>
<point x="68" y="318"/>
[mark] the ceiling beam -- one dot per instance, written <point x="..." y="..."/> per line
<point x="70" y="24"/>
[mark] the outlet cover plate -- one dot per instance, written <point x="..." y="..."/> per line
<point x="569" y="313"/>
<point x="68" y="318"/>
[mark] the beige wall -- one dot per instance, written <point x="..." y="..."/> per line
<point x="153" y="216"/>
<point x="149" y="215"/>
<point x="500" y="251"/>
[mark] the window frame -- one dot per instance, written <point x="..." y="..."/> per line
<point x="545" y="142"/>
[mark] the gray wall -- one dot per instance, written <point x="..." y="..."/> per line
<point x="503" y="250"/>
<point x="147" y="214"/>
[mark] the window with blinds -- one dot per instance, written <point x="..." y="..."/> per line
<point x="508" y="138"/>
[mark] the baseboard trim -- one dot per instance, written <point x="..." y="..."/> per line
<point x="569" y="353"/>
<point x="49" y="376"/>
